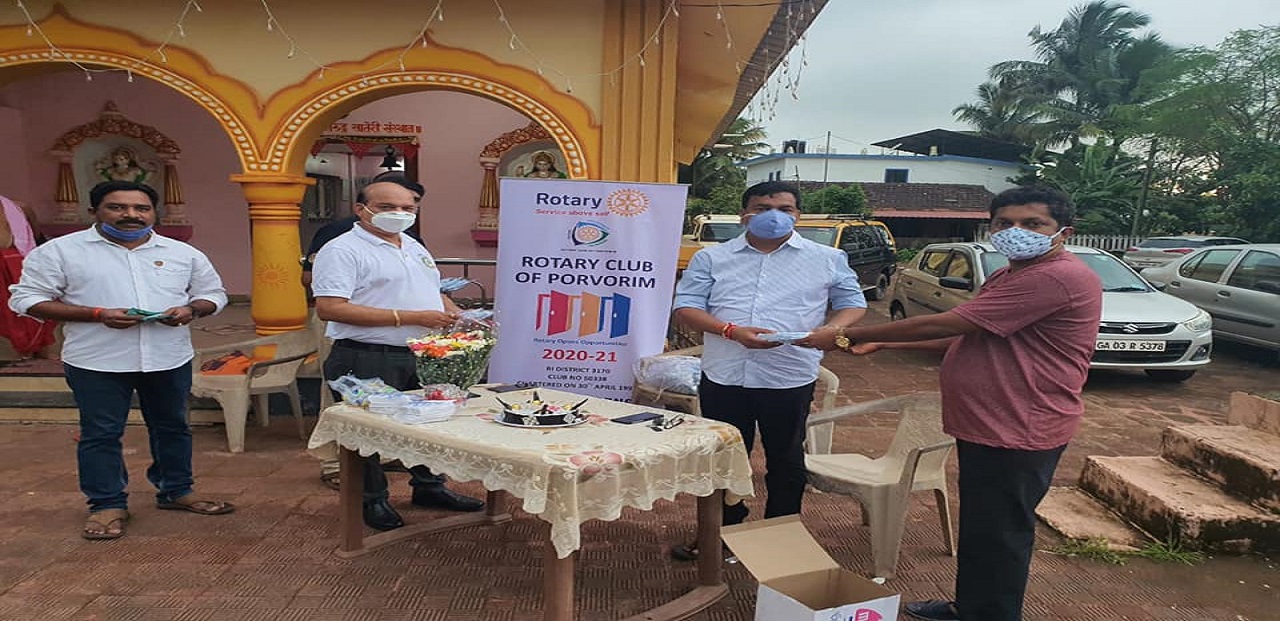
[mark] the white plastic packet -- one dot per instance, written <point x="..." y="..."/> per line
<point x="678" y="374"/>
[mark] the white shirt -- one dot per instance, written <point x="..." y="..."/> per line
<point x="364" y="269"/>
<point x="787" y="290"/>
<point x="86" y="269"/>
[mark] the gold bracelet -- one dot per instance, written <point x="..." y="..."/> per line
<point x="395" y="313"/>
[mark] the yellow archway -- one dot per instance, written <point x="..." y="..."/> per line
<point x="225" y="99"/>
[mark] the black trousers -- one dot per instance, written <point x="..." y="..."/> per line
<point x="780" y="414"/>
<point x="999" y="491"/>
<point x="399" y="370"/>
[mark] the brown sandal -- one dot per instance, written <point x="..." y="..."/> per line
<point x="196" y="504"/>
<point x="105" y="520"/>
<point x="332" y="480"/>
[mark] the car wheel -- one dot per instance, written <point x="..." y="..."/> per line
<point x="1169" y="375"/>
<point x="896" y="312"/>
<point x="882" y="285"/>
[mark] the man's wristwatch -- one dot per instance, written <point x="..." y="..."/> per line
<point x="842" y="341"/>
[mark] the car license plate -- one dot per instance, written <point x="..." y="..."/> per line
<point x="1118" y="345"/>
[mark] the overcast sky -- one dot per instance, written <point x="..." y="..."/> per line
<point x="879" y="69"/>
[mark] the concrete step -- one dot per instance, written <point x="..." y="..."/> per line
<point x="1172" y="504"/>
<point x="1077" y="515"/>
<point x="1244" y="462"/>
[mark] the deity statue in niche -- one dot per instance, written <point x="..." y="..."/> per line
<point x="122" y="165"/>
<point x="544" y="167"/>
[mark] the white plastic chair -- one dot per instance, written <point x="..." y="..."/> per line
<point x="916" y="461"/>
<point x="279" y="374"/>
<point x="819" y="436"/>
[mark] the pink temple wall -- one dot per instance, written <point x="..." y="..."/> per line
<point x="51" y="104"/>
<point x="35" y="111"/>
<point x="455" y="128"/>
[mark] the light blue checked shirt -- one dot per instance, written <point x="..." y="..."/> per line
<point x="787" y="290"/>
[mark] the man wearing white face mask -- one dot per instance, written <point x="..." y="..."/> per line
<point x="1017" y="357"/>
<point x="377" y="287"/>
<point x="769" y="280"/>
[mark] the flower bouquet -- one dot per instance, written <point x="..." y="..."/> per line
<point x="457" y="355"/>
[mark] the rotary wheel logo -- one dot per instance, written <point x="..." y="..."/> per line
<point x="627" y="202"/>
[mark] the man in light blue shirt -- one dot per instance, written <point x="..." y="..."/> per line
<point x="767" y="281"/>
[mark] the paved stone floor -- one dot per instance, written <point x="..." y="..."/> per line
<point x="273" y="558"/>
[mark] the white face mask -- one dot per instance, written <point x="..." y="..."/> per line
<point x="392" y="221"/>
<point x="1022" y="245"/>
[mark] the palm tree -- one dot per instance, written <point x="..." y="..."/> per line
<point x="999" y="113"/>
<point x="718" y="164"/>
<point x="1086" y="68"/>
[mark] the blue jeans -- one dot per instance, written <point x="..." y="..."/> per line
<point x="103" y="399"/>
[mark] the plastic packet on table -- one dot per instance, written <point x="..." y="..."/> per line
<point x="412" y="409"/>
<point x="445" y="392"/>
<point x="678" y="374"/>
<point x="356" y="391"/>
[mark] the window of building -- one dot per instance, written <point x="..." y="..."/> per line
<point x="895" y="175"/>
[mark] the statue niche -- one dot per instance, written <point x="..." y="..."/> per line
<point x="112" y="147"/>
<point x="528" y="152"/>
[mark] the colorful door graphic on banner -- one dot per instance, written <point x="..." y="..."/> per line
<point x="586" y="271"/>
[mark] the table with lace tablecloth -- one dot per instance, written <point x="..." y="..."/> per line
<point x="564" y="476"/>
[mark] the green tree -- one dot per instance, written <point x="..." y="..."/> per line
<point x="1085" y="70"/>
<point x="718" y="164"/>
<point x="1105" y="191"/>
<point x="1000" y="113"/>
<point x="841" y="199"/>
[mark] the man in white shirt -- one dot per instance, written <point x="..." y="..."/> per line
<point x="126" y="295"/>
<point x="767" y="280"/>
<point x="377" y="288"/>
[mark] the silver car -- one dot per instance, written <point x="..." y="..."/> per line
<point x="1238" y="285"/>
<point x="1141" y="328"/>
<point x="1157" y="251"/>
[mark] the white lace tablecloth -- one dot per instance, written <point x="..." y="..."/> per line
<point x="566" y="475"/>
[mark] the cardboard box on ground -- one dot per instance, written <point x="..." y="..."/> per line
<point x="799" y="580"/>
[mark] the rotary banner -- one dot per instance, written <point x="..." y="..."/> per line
<point x="586" y="271"/>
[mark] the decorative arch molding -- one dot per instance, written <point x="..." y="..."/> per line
<point x="96" y="45"/>
<point x="512" y="139"/>
<point x="485" y="230"/>
<point x="112" y="122"/>
<point x="286" y="144"/>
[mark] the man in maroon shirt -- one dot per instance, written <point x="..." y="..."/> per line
<point x="1017" y="357"/>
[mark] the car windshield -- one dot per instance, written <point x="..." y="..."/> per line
<point x="1166" y="242"/>
<point x="1114" y="274"/>
<point x="824" y="235"/>
<point x="721" y="231"/>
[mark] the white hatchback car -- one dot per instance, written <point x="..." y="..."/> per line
<point x="1141" y="328"/>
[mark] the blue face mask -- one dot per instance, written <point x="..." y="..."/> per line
<point x="771" y="224"/>
<point x="121" y="235"/>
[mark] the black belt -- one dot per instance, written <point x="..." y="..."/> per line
<point x="350" y="344"/>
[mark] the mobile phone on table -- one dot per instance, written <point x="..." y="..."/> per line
<point x="501" y="388"/>
<point x="641" y="417"/>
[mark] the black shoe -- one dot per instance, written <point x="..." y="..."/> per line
<point x="445" y="498"/>
<point x="688" y="552"/>
<point x="381" y="515"/>
<point x="932" y="610"/>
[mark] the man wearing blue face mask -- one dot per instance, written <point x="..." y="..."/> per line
<point x="377" y="288"/>
<point x="95" y="281"/>
<point x="769" y="280"/>
<point x="1017" y="357"/>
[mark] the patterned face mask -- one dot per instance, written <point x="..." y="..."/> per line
<point x="1020" y="244"/>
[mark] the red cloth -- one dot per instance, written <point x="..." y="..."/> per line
<point x="1016" y="384"/>
<point x="27" y="335"/>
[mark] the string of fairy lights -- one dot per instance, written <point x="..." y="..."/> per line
<point x="785" y="79"/>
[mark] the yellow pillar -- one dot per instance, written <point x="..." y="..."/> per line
<point x="638" y="103"/>
<point x="278" y="302"/>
